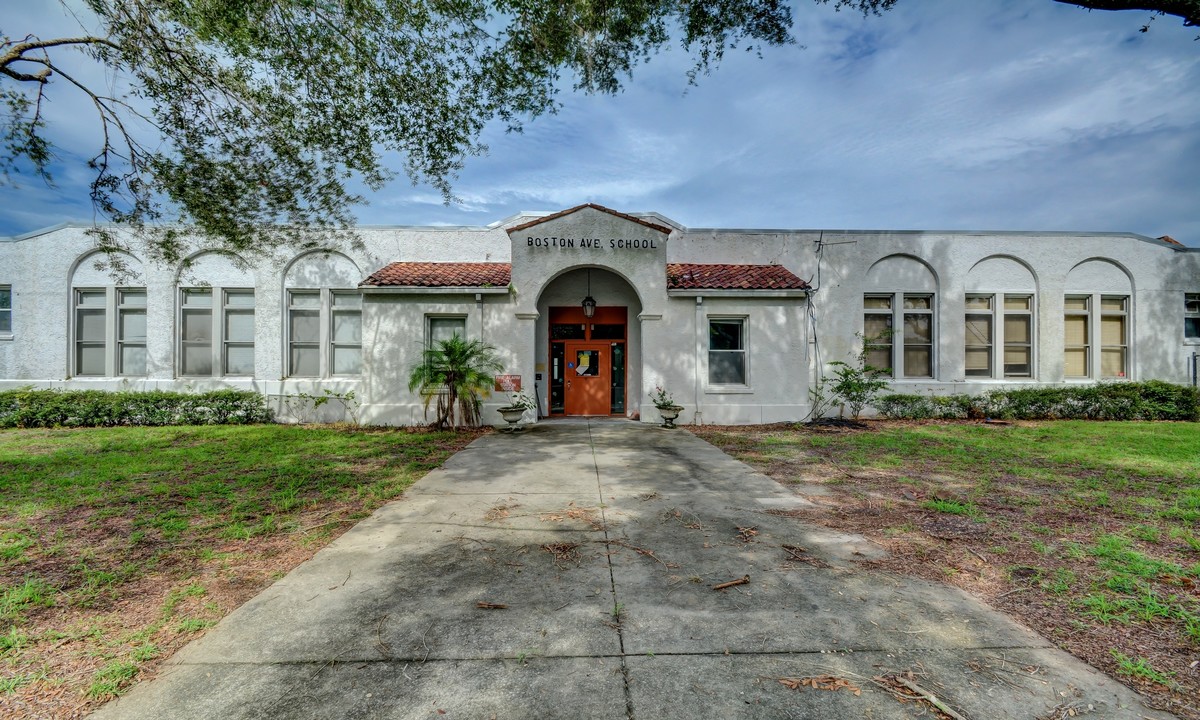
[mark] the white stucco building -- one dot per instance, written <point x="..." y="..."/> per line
<point x="736" y="324"/>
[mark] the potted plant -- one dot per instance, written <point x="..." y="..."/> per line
<point x="666" y="406"/>
<point x="515" y="409"/>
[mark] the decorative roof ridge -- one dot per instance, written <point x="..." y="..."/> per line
<point x="594" y="206"/>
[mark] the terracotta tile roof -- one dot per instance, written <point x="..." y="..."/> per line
<point x="446" y="274"/>
<point x="692" y="276"/>
<point x="594" y="206"/>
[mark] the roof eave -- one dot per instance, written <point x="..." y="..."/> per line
<point x="421" y="290"/>
<point x="740" y="292"/>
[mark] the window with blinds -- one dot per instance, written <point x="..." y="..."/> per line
<point x="1114" y="337"/>
<point x="1191" y="317"/>
<point x="1076" y="334"/>
<point x="910" y="348"/>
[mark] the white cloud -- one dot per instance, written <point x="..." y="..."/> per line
<point x="1017" y="115"/>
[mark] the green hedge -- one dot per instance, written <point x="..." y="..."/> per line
<point x="30" y="408"/>
<point x="1152" y="400"/>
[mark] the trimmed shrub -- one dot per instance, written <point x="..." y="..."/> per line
<point x="28" y="408"/>
<point x="1151" y="400"/>
<point x="926" y="407"/>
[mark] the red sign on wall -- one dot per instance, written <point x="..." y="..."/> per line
<point x="508" y="383"/>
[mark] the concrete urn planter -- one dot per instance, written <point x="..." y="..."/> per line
<point x="512" y="416"/>
<point x="669" y="413"/>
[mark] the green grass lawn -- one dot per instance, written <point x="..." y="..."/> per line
<point x="1089" y="531"/>
<point x="118" y="545"/>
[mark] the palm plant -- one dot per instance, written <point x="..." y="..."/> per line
<point x="455" y="371"/>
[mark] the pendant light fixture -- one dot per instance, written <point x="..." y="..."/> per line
<point x="589" y="302"/>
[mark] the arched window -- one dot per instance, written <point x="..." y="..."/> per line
<point x="108" y="318"/>
<point x="899" y="317"/>
<point x="324" y="316"/>
<point x="1097" y="332"/>
<point x="999" y="323"/>
<point x="216" y="318"/>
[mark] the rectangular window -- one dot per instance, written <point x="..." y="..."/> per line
<point x="979" y="325"/>
<point x="1191" y="316"/>
<point x="726" y="352"/>
<point x="324" y="333"/>
<point x="444" y="328"/>
<point x="346" y="336"/>
<point x="1076" y="335"/>
<point x="5" y="310"/>
<point x="907" y="352"/>
<point x="918" y="336"/>
<point x="999" y="324"/>
<point x="877" y="331"/>
<point x="238" y="336"/>
<point x="304" y="333"/>
<point x="1018" y="336"/>
<point x="131" y="331"/>
<point x="196" y="332"/>
<point x="91" y="331"/>
<point x="1114" y="337"/>
<point x="216" y="332"/>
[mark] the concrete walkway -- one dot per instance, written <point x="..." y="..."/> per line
<point x="603" y="539"/>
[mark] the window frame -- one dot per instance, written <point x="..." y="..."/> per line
<point x="219" y="309"/>
<point x="897" y="342"/>
<point x="742" y="321"/>
<point x="6" y="311"/>
<point x="112" y="310"/>
<point x="1095" y="347"/>
<point x="999" y="341"/>
<point x="431" y="317"/>
<point x="1191" y="311"/>
<point x="1124" y="345"/>
<point x="326" y="344"/>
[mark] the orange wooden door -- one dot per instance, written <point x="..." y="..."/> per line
<point x="587" y="379"/>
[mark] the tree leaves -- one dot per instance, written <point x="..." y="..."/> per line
<point x="247" y="120"/>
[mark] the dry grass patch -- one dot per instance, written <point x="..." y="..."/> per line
<point x="1089" y="532"/>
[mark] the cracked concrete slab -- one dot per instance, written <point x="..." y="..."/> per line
<point x="602" y="541"/>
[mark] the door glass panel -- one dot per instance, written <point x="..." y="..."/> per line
<point x="587" y="363"/>
<point x="618" y="378"/>
<point x="557" y="360"/>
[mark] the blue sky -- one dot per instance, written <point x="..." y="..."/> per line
<point x="942" y="114"/>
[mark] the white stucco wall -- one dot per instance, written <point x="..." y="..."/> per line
<point x="667" y="342"/>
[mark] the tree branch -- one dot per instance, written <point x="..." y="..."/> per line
<point x="1189" y="10"/>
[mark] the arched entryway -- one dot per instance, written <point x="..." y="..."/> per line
<point x="589" y="366"/>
